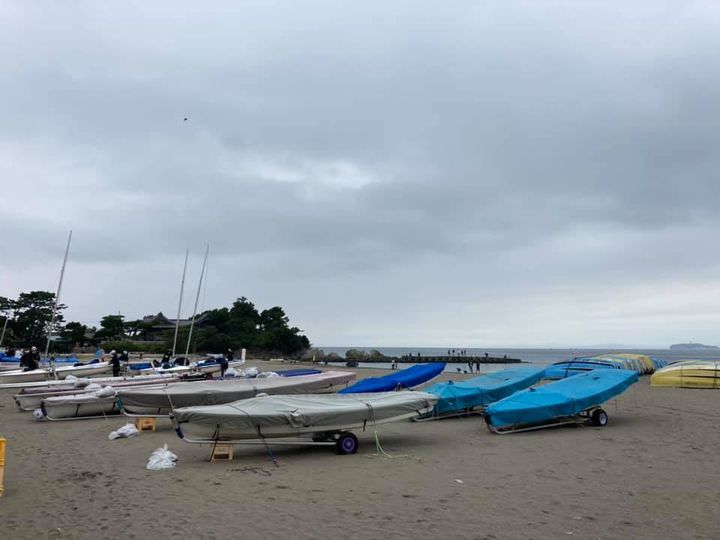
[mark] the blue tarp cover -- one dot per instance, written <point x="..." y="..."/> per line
<point x="566" y="397"/>
<point x="297" y="372"/>
<point x="406" y="378"/>
<point x="568" y="368"/>
<point x="483" y="390"/>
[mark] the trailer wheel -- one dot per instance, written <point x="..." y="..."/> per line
<point x="347" y="444"/>
<point x="599" y="418"/>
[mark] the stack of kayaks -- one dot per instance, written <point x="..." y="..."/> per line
<point x="465" y="396"/>
<point x="688" y="374"/>
<point x="567" y="400"/>
<point x="404" y="379"/>
<point x="640" y="363"/>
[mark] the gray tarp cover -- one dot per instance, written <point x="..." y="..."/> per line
<point x="304" y="411"/>
<point x="188" y="394"/>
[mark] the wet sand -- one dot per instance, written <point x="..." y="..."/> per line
<point x="653" y="472"/>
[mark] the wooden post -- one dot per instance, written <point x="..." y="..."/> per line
<point x="2" y="464"/>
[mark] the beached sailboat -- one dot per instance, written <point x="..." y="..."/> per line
<point x="571" y="400"/>
<point x="401" y="380"/>
<point x="689" y="374"/>
<point x="473" y="395"/>
<point x="45" y="374"/>
<point x="209" y="367"/>
<point x="160" y="401"/>
<point x="12" y="363"/>
<point x="29" y="399"/>
<point x="320" y="419"/>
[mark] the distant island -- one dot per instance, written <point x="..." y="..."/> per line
<point x="693" y="347"/>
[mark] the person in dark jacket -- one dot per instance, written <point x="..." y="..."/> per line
<point x="30" y="360"/>
<point x="115" y="363"/>
<point x="225" y="362"/>
<point x="165" y="362"/>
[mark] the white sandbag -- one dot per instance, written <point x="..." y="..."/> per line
<point x="78" y="383"/>
<point x="251" y="372"/>
<point x="38" y="414"/>
<point x="71" y="378"/>
<point x="128" y="430"/>
<point x="267" y="374"/>
<point x="107" y="391"/>
<point x="161" y="459"/>
<point x="93" y="387"/>
<point x="232" y="372"/>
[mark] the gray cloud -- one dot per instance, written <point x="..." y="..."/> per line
<point x="464" y="173"/>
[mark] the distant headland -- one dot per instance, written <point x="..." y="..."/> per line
<point x="693" y="347"/>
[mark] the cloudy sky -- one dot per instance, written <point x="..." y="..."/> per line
<point x="455" y="173"/>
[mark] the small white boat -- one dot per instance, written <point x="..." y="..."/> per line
<point x="80" y="382"/>
<point x="44" y="374"/>
<point x="160" y="401"/>
<point x="326" y="419"/>
<point x="78" y="406"/>
<point x="207" y="368"/>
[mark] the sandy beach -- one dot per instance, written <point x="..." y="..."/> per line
<point x="652" y="473"/>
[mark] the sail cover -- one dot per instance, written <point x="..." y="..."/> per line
<point x="187" y="394"/>
<point x="483" y="390"/>
<point x="307" y="411"/>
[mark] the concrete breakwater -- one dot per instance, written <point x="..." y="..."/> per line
<point x="407" y="359"/>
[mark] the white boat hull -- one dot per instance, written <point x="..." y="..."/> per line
<point x="79" y="408"/>
<point x="44" y="374"/>
<point x="31" y="399"/>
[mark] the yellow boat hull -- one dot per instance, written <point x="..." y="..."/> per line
<point x="688" y="375"/>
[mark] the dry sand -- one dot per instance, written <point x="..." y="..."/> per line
<point x="654" y="472"/>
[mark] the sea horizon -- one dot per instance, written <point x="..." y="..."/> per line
<point x="536" y="356"/>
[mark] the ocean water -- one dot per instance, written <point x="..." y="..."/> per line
<point x="541" y="357"/>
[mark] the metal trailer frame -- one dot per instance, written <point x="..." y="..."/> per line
<point x="595" y="415"/>
<point x="335" y="439"/>
<point x="469" y="411"/>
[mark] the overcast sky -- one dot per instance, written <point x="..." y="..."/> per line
<point x="391" y="173"/>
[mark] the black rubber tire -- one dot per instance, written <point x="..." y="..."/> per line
<point x="599" y="418"/>
<point x="347" y="444"/>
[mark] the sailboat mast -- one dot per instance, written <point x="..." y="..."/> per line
<point x="2" y="336"/>
<point x="177" y="319"/>
<point x="197" y="299"/>
<point x="57" y="302"/>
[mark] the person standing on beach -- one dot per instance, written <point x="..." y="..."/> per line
<point x="30" y="360"/>
<point x="165" y="362"/>
<point x="225" y="362"/>
<point x="115" y="363"/>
